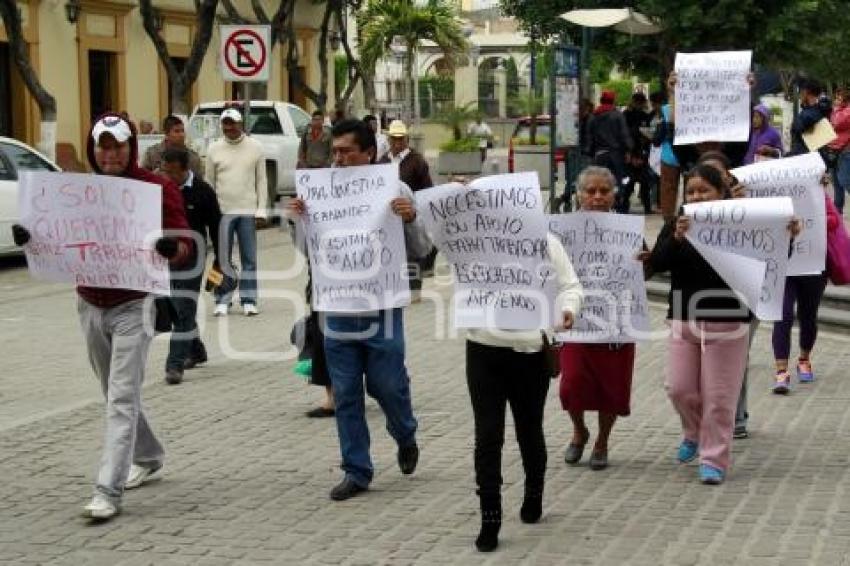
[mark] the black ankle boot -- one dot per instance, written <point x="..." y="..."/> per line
<point x="491" y="523"/>
<point x="532" y="504"/>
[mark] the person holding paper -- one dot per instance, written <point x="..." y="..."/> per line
<point x="117" y="328"/>
<point x="595" y="377"/>
<point x="368" y="344"/>
<point x="510" y="367"/>
<point x="708" y="341"/>
<point x="805" y="292"/>
<point x="813" y="109"/>
<point x="840" y="148"/>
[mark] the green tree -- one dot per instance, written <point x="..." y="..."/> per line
<point x="381" y="21"/>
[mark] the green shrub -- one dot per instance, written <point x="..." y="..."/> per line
<point x="463" y="145"/>
<point x="623" y="88"/>
<point x="523" y="140"/>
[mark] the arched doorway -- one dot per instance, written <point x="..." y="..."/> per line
<point x="488" y="89"/>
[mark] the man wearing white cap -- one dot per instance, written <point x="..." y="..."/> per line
<point x="236" y="168"/>
<point x="117" y="336"/>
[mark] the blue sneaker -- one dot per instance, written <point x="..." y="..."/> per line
<point x="687" y="451"/>
<point x="782" y="382"/>
<point x="709" y="475"/>
<point x="804" y="371"/>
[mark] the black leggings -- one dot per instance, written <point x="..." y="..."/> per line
<point x="498" y="376"/>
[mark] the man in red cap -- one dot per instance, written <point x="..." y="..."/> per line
<point x="608" y="140"/>
<point x="115" y="329"/>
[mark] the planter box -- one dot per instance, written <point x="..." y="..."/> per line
<point x="533" y="158"/>
<point x="466" y="163"/>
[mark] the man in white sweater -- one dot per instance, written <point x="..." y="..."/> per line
<point x="236" y="169"/>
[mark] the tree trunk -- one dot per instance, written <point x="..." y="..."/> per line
<point x="45" y="101"/>
<point x="181" y="81"/>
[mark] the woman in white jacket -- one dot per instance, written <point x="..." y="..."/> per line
<point x="502" y="367"/>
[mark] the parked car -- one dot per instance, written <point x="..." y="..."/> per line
<point x="523" y="130"/>
<point x="278" y="126"/>
<point x="14" y="158"/>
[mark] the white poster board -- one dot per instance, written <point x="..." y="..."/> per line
<point x="355" y="240"/>
<point x="93" y="230"/>
<point x="799" y="178"/>
<point x="712" y="97"/>
<point x="746" y="242"/>
<point x="566" y="104"/>
<point x="603" y="248"/>
<point x="493" y="232"/>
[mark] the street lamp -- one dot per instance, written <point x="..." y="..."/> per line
<point x="334" y="40"/>
<point x="72" y="11"/>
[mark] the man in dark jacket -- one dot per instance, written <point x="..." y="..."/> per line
<point x="638" y="120"/>
<point x="608" y="139"/>
<point x="812" y="110"/>
<point x="117" y="329"/>
<point x="413" y="170"/>
<point x="204" y="216"/>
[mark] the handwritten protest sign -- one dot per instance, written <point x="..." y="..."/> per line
<point x="93" y="230"/>
<point x="493" y="232"/>
<point x="746" y="242"/>
<point x="799" y="178"/>
<point x="712" y="97"/>
<point x="355" y="241"/>
<point x="602" y="248"/>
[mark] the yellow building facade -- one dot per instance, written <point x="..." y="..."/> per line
<point x="104" y="60"/>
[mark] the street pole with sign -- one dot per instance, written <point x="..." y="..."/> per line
<point x="564" y="98"/>
<point x="244" y="57"/>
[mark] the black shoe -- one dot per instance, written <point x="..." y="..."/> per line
<point x="408" y="457"/>
<point x="598" y="460"/>
<point x="173" y="376"/>
<point x="491" y="524"/>
<point x="197" y="357"/>
<point x="345" y="489"/>
<point x="320" y="413"/>
<point x="532" y="505"/>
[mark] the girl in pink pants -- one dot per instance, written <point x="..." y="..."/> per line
<point x="708" y="340"/>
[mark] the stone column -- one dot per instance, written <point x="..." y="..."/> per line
<point x="502" y="91"/>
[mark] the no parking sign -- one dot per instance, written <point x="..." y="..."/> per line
<point x="244" y="53"/>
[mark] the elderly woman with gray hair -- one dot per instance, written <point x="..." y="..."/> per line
<point x="595" y="377"/>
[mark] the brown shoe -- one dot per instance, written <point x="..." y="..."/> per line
<point x="320" y="413"/>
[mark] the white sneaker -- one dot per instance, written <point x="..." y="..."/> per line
<point x="250" y="310"/>
<point x="101" y="508"/>
<point x="221" y="310"/>
<point x="141" y="475"/>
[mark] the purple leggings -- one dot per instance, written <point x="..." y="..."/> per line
<point x="806" y="291"/>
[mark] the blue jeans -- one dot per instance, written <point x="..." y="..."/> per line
<point x="246" y="233"/>
<point x="370" y="344"/>
<point x="841" y="179"/>
<point x="185" y="341"/>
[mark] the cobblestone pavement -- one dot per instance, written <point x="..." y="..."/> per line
<point x="247" y="475"/>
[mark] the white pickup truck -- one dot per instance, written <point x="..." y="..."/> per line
<point x="278" y="126"/>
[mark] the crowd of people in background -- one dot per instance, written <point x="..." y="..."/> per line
<point x="224" y="201"/>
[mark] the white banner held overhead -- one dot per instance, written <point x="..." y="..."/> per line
<point x="746" y="242"/>
<point x="93" y="230"/>
<point x="493" y="232"/>
<point x="355" y="241"/>
<point x="603" y="248"/>
<point x="712" y="97"/>
<point x="799" y="178"/>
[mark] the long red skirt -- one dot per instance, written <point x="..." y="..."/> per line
<point x="597" y="377"/>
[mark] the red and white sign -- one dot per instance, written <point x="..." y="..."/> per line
<point x="245" y="53"/>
